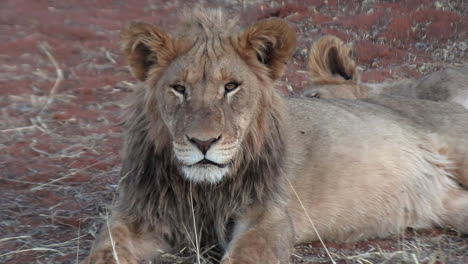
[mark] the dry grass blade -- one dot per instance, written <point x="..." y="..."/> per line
<point x="311" y="222"/>
<point x="12" y="238"/>
<point x="17" y="129"/>
<point x="44" y="47"/>
<point x="109" y="57"/>
<point x="32" y="249"/>
<point x="114" y="251"/>
<point x="197" y="246"/>
<point x="78" y="244"/>
<point x="65" y="176"/>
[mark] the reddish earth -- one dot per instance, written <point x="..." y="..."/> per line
<point x="59" y="160"/>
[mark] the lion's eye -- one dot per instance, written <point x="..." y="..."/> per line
<point x="231" y="86"/>
<point x="314" y="95"/>
<point x="178" y="88"/>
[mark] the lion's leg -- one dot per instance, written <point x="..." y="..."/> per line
<point x="118" y="244"/>
<point x="113" y="245"/>
<point x="456" y="213"/>
<point x="267" y="239"/>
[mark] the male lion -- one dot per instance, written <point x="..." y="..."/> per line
<point x="334" y="75"/>
<point x="214" y="155"/>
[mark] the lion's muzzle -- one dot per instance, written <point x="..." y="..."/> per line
<point x="203" y="145"/>
<point x="205" y="160"/>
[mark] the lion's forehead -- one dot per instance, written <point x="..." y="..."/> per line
<point x="209" y="59"/>
<point x="196" y="72"/>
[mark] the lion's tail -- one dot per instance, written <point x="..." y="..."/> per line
<point x="330" y="62"/>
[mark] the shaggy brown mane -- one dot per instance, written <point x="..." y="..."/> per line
<point x="154" y="192"/>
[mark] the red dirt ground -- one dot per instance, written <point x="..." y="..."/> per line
<point x="59" y="148"/>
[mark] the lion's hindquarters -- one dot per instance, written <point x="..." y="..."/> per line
<point x="433" y="184"/>
<point x="372" y="184"/>
<point x="456" y="213"/>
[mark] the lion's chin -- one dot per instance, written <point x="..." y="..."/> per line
<point x="204" y="173"/>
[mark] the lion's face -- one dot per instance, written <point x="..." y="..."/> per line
<point x="208" y="91"/>
<point x="207" y="105"/>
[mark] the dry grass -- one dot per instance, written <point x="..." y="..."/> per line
<point x="412" y="247"/>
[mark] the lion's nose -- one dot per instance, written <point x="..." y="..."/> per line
<point x="203" y="145"/>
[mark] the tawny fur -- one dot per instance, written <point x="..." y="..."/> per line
<point x="449" y="85"/>
<point x="334" y="75"/>
<point x="362" y="170"/>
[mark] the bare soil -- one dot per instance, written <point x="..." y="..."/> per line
<point x="63" y="78"/>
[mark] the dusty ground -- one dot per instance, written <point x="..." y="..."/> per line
<point x="62" y="79"/>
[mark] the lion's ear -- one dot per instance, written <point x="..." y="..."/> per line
<point x="330" y="61"/>
<point x="274" y="41"/>
<point x="146" y="46"/>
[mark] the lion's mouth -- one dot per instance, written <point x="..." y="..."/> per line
<point x="209" y="162"/>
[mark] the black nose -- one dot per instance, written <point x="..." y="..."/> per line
<point x="203" y="145"/>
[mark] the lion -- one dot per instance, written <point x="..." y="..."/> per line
<point x="214" y="156"/>
<point x="334" y="75"/>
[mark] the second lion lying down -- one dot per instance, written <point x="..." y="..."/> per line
<point x="215" y="156"/>
<point x="335" y="75"/>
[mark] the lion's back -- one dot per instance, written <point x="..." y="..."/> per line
<point x="349" y="157"/>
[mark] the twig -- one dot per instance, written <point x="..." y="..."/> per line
<point x="44" y="47"/>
